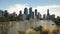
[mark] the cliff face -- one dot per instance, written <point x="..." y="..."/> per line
<point x="43" y="30"/>
<point x="25" y="26"/>
<point x="31" y="31"/>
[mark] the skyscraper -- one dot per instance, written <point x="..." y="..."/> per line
<point x="30" y="10"/>
<point x="32" y="15"/>
<point x="48" y="14"/>
<point x="26" y="11"/>
<point x="20" y="13"/>
<point x="39" y="15"/>
<point x="35" y="12"/>
<point x="1" y="13"/>
<point x="44" y="16"/>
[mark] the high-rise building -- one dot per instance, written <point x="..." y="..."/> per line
<point x="48" y="14"/>
<point x="44" y="16"/>
<point x="30" y="10"/>
<point x="20" y="12"/>
<point x="39" y="15"/>
<point x="32" y="15"/>
<point x="35" y="12"/>
<point x="1" y="13"/>
<point x="26" y="11"/>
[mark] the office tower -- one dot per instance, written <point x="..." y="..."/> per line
<point x="35" y="12"/>
<point x="32" y="15"/>
<point x="30" y="10"/>
<point x="20" y="13"/>
<point x="39" y="15"/>
<point x="48" y="12"/>
<point x="44" y="16"/>
<point x="26" y="11"/>
<point x="1" y="13"/>
<point x="48" y="15"/>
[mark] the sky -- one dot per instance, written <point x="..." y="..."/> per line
<point x="40" y="5"/>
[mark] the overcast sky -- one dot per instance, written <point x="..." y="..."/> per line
<point x="40" y="5"/>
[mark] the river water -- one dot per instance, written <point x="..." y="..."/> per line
<point x="23" y="25"/>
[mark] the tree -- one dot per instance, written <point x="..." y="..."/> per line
<point x="6" y="13"/>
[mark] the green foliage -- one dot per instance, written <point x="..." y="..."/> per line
<point x="21" y="32"/>
<point x="57" y="21"/>
<point x="4" y="19"/>
<point x="7" y="19"/>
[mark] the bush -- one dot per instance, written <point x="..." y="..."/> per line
<point x="7" y="19"/>
<point x="57" y="21"/>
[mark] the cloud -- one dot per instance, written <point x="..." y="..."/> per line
<point x="16" y="8"/>
<point x="54" y="9"/>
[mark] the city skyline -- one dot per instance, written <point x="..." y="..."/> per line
<point x="40" y="5"/>
<point x="29" y="10"/>
<point x="28" y="14"/>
